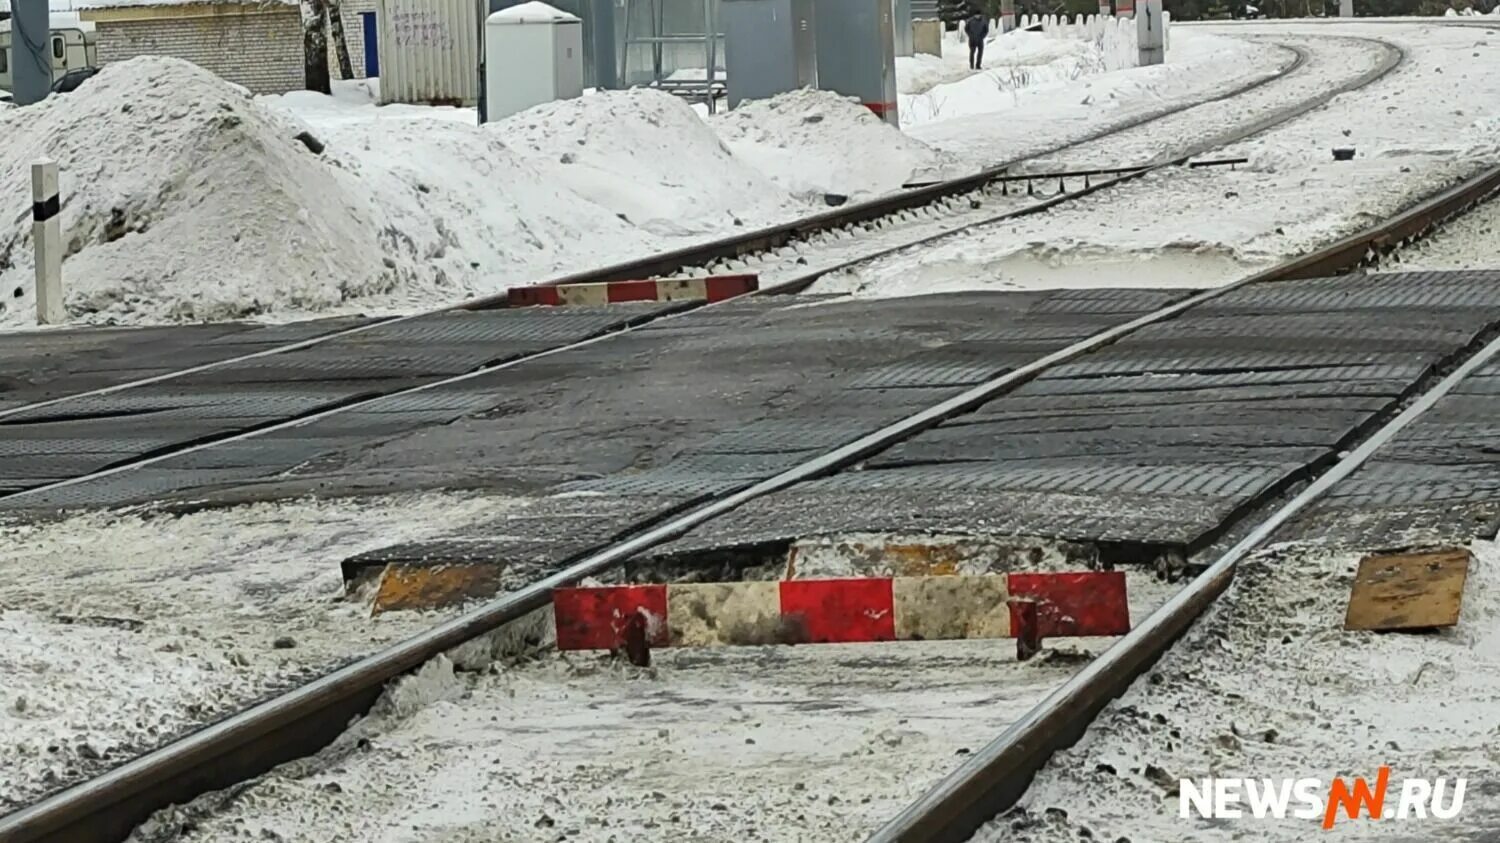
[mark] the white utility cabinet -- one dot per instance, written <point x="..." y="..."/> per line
<point x="533" y="54"/>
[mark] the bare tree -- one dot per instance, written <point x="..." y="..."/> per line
<point x="340" y="44"/>
<point x="315" y="46"/>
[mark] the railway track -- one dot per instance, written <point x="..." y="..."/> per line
<point x="299" y="722"/>
<point x="791" y="276"/>
<point x="998" y="775"/>
<point x="934" y="211"/>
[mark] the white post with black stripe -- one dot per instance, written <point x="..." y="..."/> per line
<point x="46" y="234"/>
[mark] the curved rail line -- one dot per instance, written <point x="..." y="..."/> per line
<point x="737" y="246"/>
<point x="1394" y="57"/>
<point x="996" y="777"/>
<point x="299" y="722"/>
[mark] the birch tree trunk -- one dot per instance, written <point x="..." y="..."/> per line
<point x="340" y="44"/>
<point x="315" y="46"/>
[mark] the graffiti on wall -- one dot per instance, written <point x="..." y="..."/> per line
<point x="421" y="29"/>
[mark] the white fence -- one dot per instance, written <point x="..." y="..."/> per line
<point x="1115" y="37"/>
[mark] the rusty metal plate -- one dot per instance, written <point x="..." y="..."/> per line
<point x="405" y="588"/>
<point x="1408" y="591"/>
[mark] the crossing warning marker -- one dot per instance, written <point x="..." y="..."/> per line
<point x="710" y="289"/>
<point x="833" y="611"/>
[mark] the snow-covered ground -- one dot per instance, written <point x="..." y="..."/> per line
<point x="803" y="140"/>
<point x="1016" y="108"/>
<point x="1270" y="685"/>
<point x="117" y="631"/>
<point x="1429" y="124"/>
<point x="187" y="200"/>
<point x="815" y="743"/>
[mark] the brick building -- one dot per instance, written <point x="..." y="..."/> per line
<point x="254" y="43"/>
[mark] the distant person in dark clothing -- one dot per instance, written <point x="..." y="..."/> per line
<point x="976" y="27"/>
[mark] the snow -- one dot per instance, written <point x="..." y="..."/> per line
<point x="57" y="20"/>
<point x="750" y="743"/>
<point x="118" y="4"/>
<point x="219" y="214"/>
<point x="1426" y="126"/>
<point x="920" y="73"/>
<point x="186" y="200"/>
<point x="1036" y="103"/>
<point x="803" y="139"/>
<point x="183" y="200"/>
<point x="118" y="631"/>
<point x="1269" y="684"/>
<point x="533" y="12"/>
<point x="940" y="88"/>
<point x="643" y="154"/>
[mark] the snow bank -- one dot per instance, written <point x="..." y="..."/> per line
<point x="646" y="156"/>
<point x="1017" y="109"/>
<point x="802" y="141"/>
<point x="474" y="213"/>
<point x="941" y="89"/>
<point x="184" y="200"/>
<point x="187" y="200"/>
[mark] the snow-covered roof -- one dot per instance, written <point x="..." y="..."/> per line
<point x="533" y="12"/>
<point x="130" y="4"/>
<point x="77" y="5"/>
<point x="59" y="20"/>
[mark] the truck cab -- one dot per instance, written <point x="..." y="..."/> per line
<point x="73" y="45"/>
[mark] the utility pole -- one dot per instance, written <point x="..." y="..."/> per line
<point x="31" y="53"/>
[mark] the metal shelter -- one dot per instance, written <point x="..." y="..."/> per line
<point x="674" y="45"/>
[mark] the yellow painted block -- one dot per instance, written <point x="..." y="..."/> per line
<point x="583" y="294"/>
<point x="433" y="586"/>
<point x="946" y="608"/>
<point x="1408" y="590"/>
<point x="681" y="289"/>
<point x="710" y="614"/>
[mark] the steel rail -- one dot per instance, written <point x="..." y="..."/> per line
<point x="791" y="286"/>
<point x="107" y="807"/>
<point x="997" y="776"/>
<point x="1395" y="57"/>
<point x="296" y="723"/>
<point x="675" y="260"/>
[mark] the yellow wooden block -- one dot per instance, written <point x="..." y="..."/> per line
<point x="1408" y="591"/>
<point x="711" y="614"/>
<point x="583" y="294"/>
<point x="948" y="608"/>
<point x="433" y="586"/>
<point x="681" y="289"/>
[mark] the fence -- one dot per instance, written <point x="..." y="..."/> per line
<point x="1115" y="37"/>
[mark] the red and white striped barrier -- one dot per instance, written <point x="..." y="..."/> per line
<point x="711" y="289"/>
<point x="833" y="611"/>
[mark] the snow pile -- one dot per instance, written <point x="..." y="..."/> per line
<point x="186" y="200"/>
<point x="470" y="211"/>
<point x="802" y="141"/>
<point x="182" y="199"/>
<point x="1115" y="38"/>
<point x="646" y="156"/>
<point x="1013" y="63"/>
